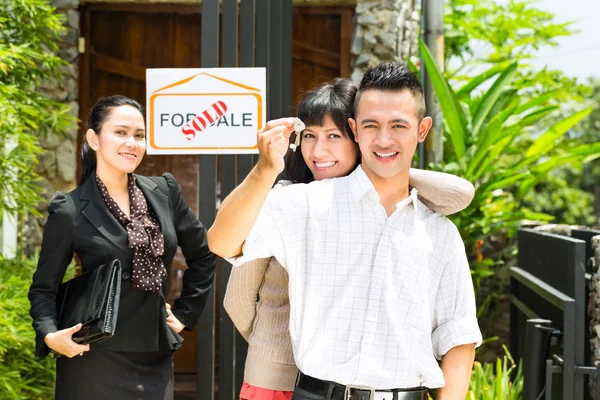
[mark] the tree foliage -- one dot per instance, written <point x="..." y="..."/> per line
<point x="483" y="131"/>
<point x="22" y="376"/>
<point x="489" y="31"/>
<point x="508" y="127"/>
<point x="29" y="32"/>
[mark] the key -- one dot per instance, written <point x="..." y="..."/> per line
<point x="298" y="128"/>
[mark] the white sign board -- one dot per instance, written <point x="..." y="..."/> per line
<point x="204" y="110"/>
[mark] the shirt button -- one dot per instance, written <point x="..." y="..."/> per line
<point x="125" y="276"/>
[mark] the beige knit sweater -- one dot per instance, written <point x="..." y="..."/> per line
<point x="257" y="293"/>
<point x="263" y="323"/>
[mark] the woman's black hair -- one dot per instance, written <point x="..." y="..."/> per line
<point x="98" y="115"/>
<point x="334" y="99"/>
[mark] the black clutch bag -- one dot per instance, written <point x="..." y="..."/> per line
<point x="93" y="300"/>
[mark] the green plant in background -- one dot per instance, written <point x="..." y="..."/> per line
<point x="502" y="380"/>
<point x="483" y="130"/>
<point x="489" y="31"/>
<point x="22" y="375"/>
<point x="29" y="32"/>
<point x="496" y="107"/>
<point x="481" y="34"/>
<point x="559" y="195"/>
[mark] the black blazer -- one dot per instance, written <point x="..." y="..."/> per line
<point x="80" y="223"/>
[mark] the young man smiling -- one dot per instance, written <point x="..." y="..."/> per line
<point x="379" y="285"/>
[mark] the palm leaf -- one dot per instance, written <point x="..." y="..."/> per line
<point x="489" y="136"/>
<point x="547" y="139"/>
<point x="511" y="134"/>
<point x="481" y="78"/>
<point x="585" y="149"/>
<point x="490" y="98"/>
<point x="534" y="116"/>
<point x="453" y="113"/>
<point x="541" y="170"/>
<point x="507" y="181"/>
<point x="541" y="99"/>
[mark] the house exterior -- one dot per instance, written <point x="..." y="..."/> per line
<point x="109" y="44"/>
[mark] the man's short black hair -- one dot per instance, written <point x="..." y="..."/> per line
<point x="389" y="76"/>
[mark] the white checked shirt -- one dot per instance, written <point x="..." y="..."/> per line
<point x="374" y="299"/>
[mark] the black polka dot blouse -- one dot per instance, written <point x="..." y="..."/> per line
<point x="145" y="237"/>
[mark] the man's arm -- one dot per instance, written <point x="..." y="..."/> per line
<point x="457" y="364"/>
<point x="443" y="193"/>
<point x="455" y="330"/>
<point x="239" y="211"/>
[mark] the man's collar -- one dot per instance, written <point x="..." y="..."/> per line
<point x="360" y="184"/>
<point x="361" y="188"/>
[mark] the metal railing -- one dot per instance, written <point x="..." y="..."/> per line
<point x="549" y="298"/>
<point x="244" y="33"/>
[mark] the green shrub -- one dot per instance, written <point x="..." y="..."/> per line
<point x="560" y="197"/>
<point x="22" y="375"/>
<point x="500" y="381"/>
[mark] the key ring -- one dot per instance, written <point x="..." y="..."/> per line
<point x="298" y="128"/>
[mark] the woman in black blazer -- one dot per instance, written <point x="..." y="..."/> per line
<point x="139" y="220"/>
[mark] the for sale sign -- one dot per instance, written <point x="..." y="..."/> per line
<point x="204" y="110"/>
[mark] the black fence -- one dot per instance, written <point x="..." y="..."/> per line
<point x="254" y="33"/>
<point x="549" y="324"/>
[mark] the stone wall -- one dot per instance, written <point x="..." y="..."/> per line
<point x="384" y="30"/>
<point x="58" y="164"/>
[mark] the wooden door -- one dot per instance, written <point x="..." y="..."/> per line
<point x="321" y="46"/>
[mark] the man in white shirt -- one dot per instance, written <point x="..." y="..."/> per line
<point x="379" y="285"/>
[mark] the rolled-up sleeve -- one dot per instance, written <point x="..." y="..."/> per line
<point x="55" y="256"/>
<point x="455" y="313"/>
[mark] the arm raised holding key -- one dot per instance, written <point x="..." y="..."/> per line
<point x="239" y="210"/>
